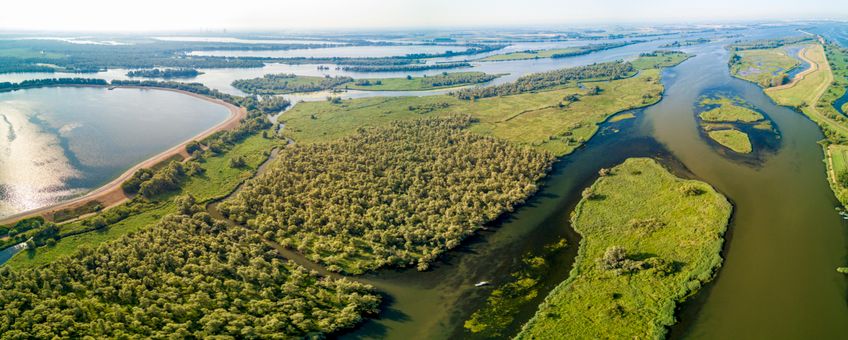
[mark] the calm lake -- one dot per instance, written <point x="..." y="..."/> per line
<point x="61" y="142"/>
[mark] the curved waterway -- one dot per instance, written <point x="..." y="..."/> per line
<point x="784" y="243"/>
<point x="61" y="142"/>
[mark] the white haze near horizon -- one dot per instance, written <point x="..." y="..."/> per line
<point x="165" y="15"/>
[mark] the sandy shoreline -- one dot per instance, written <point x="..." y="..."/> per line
<point x="111" y="193"/>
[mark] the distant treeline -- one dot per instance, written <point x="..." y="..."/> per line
<point x="538" y="81"/>
<point x="27" y="84"/>
<point x="405" y="68"/>
<point x="165" y="73"/>
<point x="595" y="48"/>
<point x="766" y="44"/>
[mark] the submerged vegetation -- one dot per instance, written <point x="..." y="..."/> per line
<point x="491" y="320"/>
<point x="398" y="195"/>
<point x="650" y="240"/>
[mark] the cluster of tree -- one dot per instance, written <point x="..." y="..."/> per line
<point x="366" y="82"/>
<point x="545" y="80"/>
<point x="273" y="104"/>
<point x="595" y="48"/>
<point x="288" y="83"/>
<point x="396" y="195"/>
<point x="16" y="65"/>
<point x="448" y="79"/>
<point x="187" y="276"/>
<point x="33" y="83"/>
<point x="149" y="183"/>
<point x="404" y="67"/>
<point x="16" y="233"/>
<point x="165" y="73"/>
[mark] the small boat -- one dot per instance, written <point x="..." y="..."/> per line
<point x="482" y="283"/>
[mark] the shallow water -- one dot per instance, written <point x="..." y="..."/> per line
<point x="61" y="142"/>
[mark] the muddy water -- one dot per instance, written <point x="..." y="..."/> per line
<point x="786" y="239"/>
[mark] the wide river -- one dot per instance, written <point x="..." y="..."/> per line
<point x="784" y="242"/>
<point x="783" y="245"/>
<point x="61" y="142"/>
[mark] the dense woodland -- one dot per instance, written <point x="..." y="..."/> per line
<point x="185" y="277"/>
<point x="539" y="81"/>
<point x="288" y="83"/>
<point x="392" y="196"/>
<point x="165" y="73"/>
<point x="33" y="83"/>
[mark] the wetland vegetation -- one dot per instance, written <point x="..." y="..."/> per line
<point x="649" y="241"/>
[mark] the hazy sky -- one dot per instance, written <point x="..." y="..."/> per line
<point x="152" y="15"/>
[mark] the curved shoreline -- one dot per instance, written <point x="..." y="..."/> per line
<point x="111" y="194"/>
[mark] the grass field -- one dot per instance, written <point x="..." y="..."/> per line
<point x="733" y="139"/>
<point x="650" y="240"/>
<point x="535" y="119"/>
<point x="728" y="110"/>
<point x="218" y="180"/>
<point x="660" y="59"/>
<point x="455" y="79"/>
<point x="765" y="67"/>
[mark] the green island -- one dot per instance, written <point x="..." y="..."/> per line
<point x="733" y="139"/>
<point x="558" y="52"/>
<point x="274" y="84"/>
<point x="728" y="110"/>
<point x="650" y="240"/>
<point x="723" y="118"/>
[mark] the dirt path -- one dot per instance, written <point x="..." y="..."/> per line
<point x="111" y="194"/>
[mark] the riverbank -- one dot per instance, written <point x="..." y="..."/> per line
<point x="112" y="194"/>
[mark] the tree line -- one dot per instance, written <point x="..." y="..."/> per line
<point x="404" y="67"/>
<point x="396" y="196"/>
<point x="288" y="83"/>
<point x="165" y="73"/>
<point x="545" y="80"/>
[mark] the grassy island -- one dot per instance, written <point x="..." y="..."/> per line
<point x="650" y="240"/>
<point x="732" y="139"/>
<point x="728" y="110"/>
